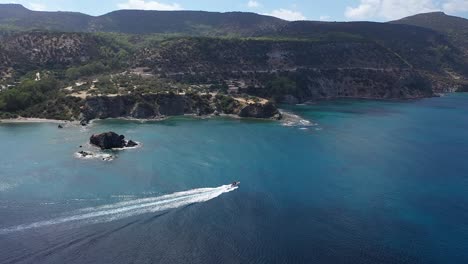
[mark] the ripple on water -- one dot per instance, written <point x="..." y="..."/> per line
<point x="4" y="186"/>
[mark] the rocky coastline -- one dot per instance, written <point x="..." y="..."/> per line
<point x="160" y="106"/>
<point x="155" y="107"/>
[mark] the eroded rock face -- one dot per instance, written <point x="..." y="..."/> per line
<point x="131" y="106"/>
<point x="111" y="140"/>
<point x="157" y="105"/>
<point x="143" y="110"/>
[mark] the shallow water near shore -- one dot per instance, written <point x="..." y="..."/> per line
<point x="360" y="182"/>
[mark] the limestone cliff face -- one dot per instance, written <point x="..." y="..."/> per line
<point x="356" y="68"/>
<point x="148" y="106"/>
<point x="158" y="105"/>
<point x="315" y="84"/>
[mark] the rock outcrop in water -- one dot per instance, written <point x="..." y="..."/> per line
<point x="111" y="140"/>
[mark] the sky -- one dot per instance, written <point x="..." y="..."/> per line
<point x="326" y="10"/>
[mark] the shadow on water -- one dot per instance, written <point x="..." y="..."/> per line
<point x="153" y="218"/>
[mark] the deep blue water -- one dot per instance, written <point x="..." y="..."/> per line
<point x="370" y="182"/>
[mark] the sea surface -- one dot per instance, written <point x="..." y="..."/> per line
<point x="345" y="181"/>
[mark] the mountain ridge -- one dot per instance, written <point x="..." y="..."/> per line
<point x="16" y="17"/>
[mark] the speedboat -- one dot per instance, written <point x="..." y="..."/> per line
<point x="234" y="184"/>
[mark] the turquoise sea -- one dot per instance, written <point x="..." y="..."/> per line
<point x="363" y="182"/>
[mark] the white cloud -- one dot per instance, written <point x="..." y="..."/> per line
<point x="37" y="6"/>
<point x="149" y="5"/>
<point x="455" y="6"/>
<point x="390" y="9"/>
<point x="367" y="8"/>
<point x="254" y="4"/>
<point x="325" y="18"/>
<point x="287" y="14"/>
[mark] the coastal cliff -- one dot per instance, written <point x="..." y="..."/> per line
<point x="317" y="84"/>
<point x="153" y="106"/>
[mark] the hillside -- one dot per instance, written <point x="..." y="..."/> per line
<point x="186" y="22"/>
<point x="282" y="69"/>
<point x="16" y="17"/>
<point x="70" y="58"/>
<point x="421" y="48"/>
<point x="456" y="28"/>
<point x="438" y="21"/>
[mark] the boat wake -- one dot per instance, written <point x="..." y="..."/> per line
<point x="128" y="208"/>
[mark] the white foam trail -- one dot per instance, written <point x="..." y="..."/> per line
<point x="293" y="120"/>
<point x="129" y="208"/>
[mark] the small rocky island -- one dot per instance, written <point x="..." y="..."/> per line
<point x="106" y="141"/>
<point x="111" y="140"/>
